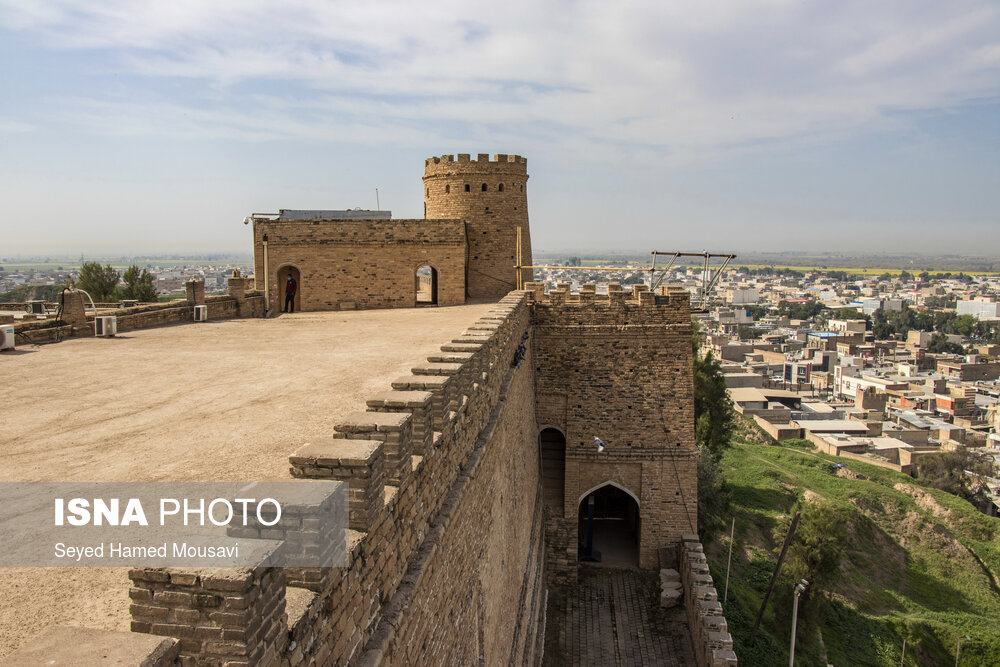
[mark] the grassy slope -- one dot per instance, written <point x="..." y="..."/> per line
<point x="918" y="562"/>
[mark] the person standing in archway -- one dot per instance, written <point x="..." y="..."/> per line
<point x="290" y="287"/>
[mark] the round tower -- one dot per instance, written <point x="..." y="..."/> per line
<point x="492" y="197"/>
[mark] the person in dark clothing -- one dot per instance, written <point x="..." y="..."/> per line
<point x="290" y="287"/>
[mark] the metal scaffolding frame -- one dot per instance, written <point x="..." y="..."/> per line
<point x="707" y="285"/>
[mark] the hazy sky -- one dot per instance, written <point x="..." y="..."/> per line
<point x="144" y="127"/>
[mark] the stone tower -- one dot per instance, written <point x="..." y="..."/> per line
<point x="491" y="196"/>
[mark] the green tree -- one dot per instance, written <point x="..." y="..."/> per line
<point x="712" y="494"/>
<point x="817" y="548"/>
<point x="714" y="420"/>
<point x="138" y="285"/>
<point x="713" y="410"/>
<point x="947" y="471"/>
<point x="850" y="314"/>
<point x="923" y="320"/>
<point x="964" y="325"/>
<point x="939" y="343"/>
<point x="801" y="311"/>
<point x="881" y="328"/>
<point x="945" y="321"/>
<point x="100" y="282"/>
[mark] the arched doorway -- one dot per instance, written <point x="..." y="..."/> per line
<point x="609" y="526"/>
<point x="283" y="273"/>
<point x="552" y="453"/>
<point x="426" y="285"/>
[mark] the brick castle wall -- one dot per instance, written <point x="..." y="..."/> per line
<point x="360" y="263"/>
<point x="445" y="549"/>
<point x="621" y="370"/>
<point x="450" y="543"/>
<point x="492" y="197"/>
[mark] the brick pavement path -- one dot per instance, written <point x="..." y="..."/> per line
<point x="612" y="617"/>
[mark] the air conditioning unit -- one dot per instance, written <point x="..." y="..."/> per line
<point x="7" y="337"/>
<point x="200" y="313"/>
<point x="105" y="325"/>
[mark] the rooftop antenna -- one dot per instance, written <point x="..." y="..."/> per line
<point x="378" y="207"/>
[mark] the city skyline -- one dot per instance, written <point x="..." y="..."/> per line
<point x="764" y="126"/>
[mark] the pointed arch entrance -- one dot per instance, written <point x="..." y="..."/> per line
<point x="609" y="526"/>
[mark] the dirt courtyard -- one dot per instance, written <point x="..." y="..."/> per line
<point x="224" y="400"/>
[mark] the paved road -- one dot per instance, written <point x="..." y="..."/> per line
<point x="611" y="617"/>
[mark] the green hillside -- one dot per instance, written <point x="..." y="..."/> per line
<point x="917" y="562"/>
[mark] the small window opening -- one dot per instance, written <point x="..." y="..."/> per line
<point x="447" y="189"/>
<point x="501" y="187"/>
<point x="484" y="187"/>
<point x="468" y="188"/>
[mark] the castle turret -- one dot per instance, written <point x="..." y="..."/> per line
<point x="491" y="196"/>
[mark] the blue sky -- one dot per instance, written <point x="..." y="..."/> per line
<point x="146" y="127"/>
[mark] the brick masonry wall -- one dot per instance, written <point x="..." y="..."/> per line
<point x="492" y="215"/>
<point x="142" y="317"/>
<point x="446" y="562"/>
<point x="620" y="370"/>
<point x="366" y="263"/>
<point x="713" y="645"/>
<point x="448" y="543"/>
<point x="222" y="616"/>
<point x="479" y="601"/>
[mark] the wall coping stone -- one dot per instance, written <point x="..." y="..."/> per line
<point x="338" y="451"/>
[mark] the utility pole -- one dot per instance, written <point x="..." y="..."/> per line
<point x="958" y="649"/>
<point x="800" y="588"/>
<point x="774" y="577"/>
<point x="732" y="533"/>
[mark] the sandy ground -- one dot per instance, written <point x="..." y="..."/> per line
<point x="219" y="401"/>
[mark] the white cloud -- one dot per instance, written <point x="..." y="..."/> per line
<point x="13" y="126"/>
<point x="692" y="78"/>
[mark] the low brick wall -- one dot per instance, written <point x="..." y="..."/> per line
<point x="39" y="332"/>
<point x="155" y="315"/>
<point x="713" y="645"/>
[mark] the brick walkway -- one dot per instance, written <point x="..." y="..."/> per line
<point x="611" y="617"/>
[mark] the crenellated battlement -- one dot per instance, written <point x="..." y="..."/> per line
<point x="673" y="303"/>
<point x="500" y="163"/>
<point x="509" y="166"/>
